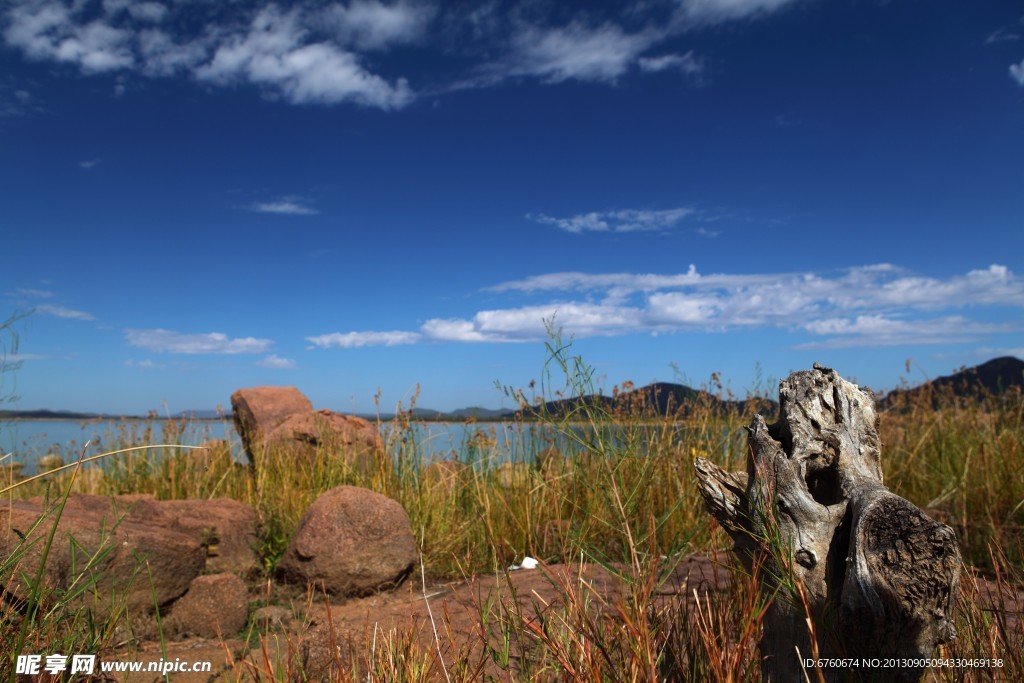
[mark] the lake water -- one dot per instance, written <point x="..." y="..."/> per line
<point x="25" y="441"/>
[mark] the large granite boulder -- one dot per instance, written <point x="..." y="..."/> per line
<point x="350" y="542"/>
<point x="257" y="411"/>
<point x="121" y="560"/>
<point x="303" y="434"/>
<point x="281" y="421"/>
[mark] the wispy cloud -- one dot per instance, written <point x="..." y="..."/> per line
<point x="144" y="11"/>
<point x="276" y="362"/>
<point x="372" y="25"/>
<point x="89" y="163"/>
<point x="572" y="52"/>
<point x="688" y="64"/>
<point x="1017" y="73"/>
<point x="288" y="207"/>
<point x="166" y="341"/>
<point x="349" y="340"/>
<point x="877" y="305"/>
<point x="1001" y="34"/>
<point x="630" y="220"/>
<point x="52" y="31"/>
<point x="881" y="330"/>
<point x="17" y="102"/>
<point x="284" y="52"/>
<point x="326" y="53"/>
<point x="21" y="357"/>
<point x="276" y="52"/>
<point x="33" y="293"/>
<point x="62" y="312"/>
<point x="990" y="352"/>
<point x="145" y="364"/>
<point x="716" y="11"/>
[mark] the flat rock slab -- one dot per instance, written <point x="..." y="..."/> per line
<point x="138" y="563"/>
<point x="227" y="528"/>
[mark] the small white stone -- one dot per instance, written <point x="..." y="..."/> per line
<point x="528" y="563"/>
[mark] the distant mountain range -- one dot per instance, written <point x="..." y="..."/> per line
<point x="994" y="376"/>
<point x="662" y="398"/>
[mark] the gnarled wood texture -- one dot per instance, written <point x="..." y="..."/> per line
<point x="876" y="576"/>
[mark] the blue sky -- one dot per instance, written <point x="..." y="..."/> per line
<point x="352" y="197"/>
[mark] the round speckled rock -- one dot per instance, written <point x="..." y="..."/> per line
<point x="351" y="541"/>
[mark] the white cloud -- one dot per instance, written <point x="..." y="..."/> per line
<point x="275" y="50"/>
<point x="61" y="312"/>
<point x="881" y="330"/>
<point x="89" y="163"/>
<point x="48" y="30"/>
<point x="995" y="285"/>
<point x="628" y="282"/>
<point x="148" y="11"/>
<point x="688" y="64"/>
<point x="875" y="305"/>
<point x="1017" y="73"/>
<point x="274" y="53"/>
<point x="989" y="352"/>
<point x="276" y="362"/>
<point x="33" y="293"/>
<point x="315" y="53"/>
<point x="630" y="220"/>
<point x="530" y="323"/>
<point x="19" y="102"/>
<point x="166" y="341"/>
<point x="349" y="340"/>
<point x="143" y="364"/>
<point x="1001" y="34"/>
<point x="286" y="207"/>
<point x="715" y="11"/>
<point x="143" y="11"/>
<point x="576" y="51"/>
<point x="162" y="55"/>
<point x="21" y="357"/>
<point x="372" y="25"/>
<point x="454" y="330"/>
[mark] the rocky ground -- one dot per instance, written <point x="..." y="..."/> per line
<point x="322" y="628"/>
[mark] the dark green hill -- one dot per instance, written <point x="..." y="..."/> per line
<point x="992" y="377"/>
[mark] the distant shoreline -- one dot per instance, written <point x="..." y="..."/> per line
<point x="102" y="418"/>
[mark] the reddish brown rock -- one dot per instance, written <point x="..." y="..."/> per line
<point x="303" y="434"/>
<point x="122" y="561"/>
<point x="258" y="411"/>
<point x="215" y="606"/>
<point x="225" y="527"/>
<point x="351" y="541"/>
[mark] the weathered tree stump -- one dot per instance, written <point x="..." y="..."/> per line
<point x="854" y="571"/>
